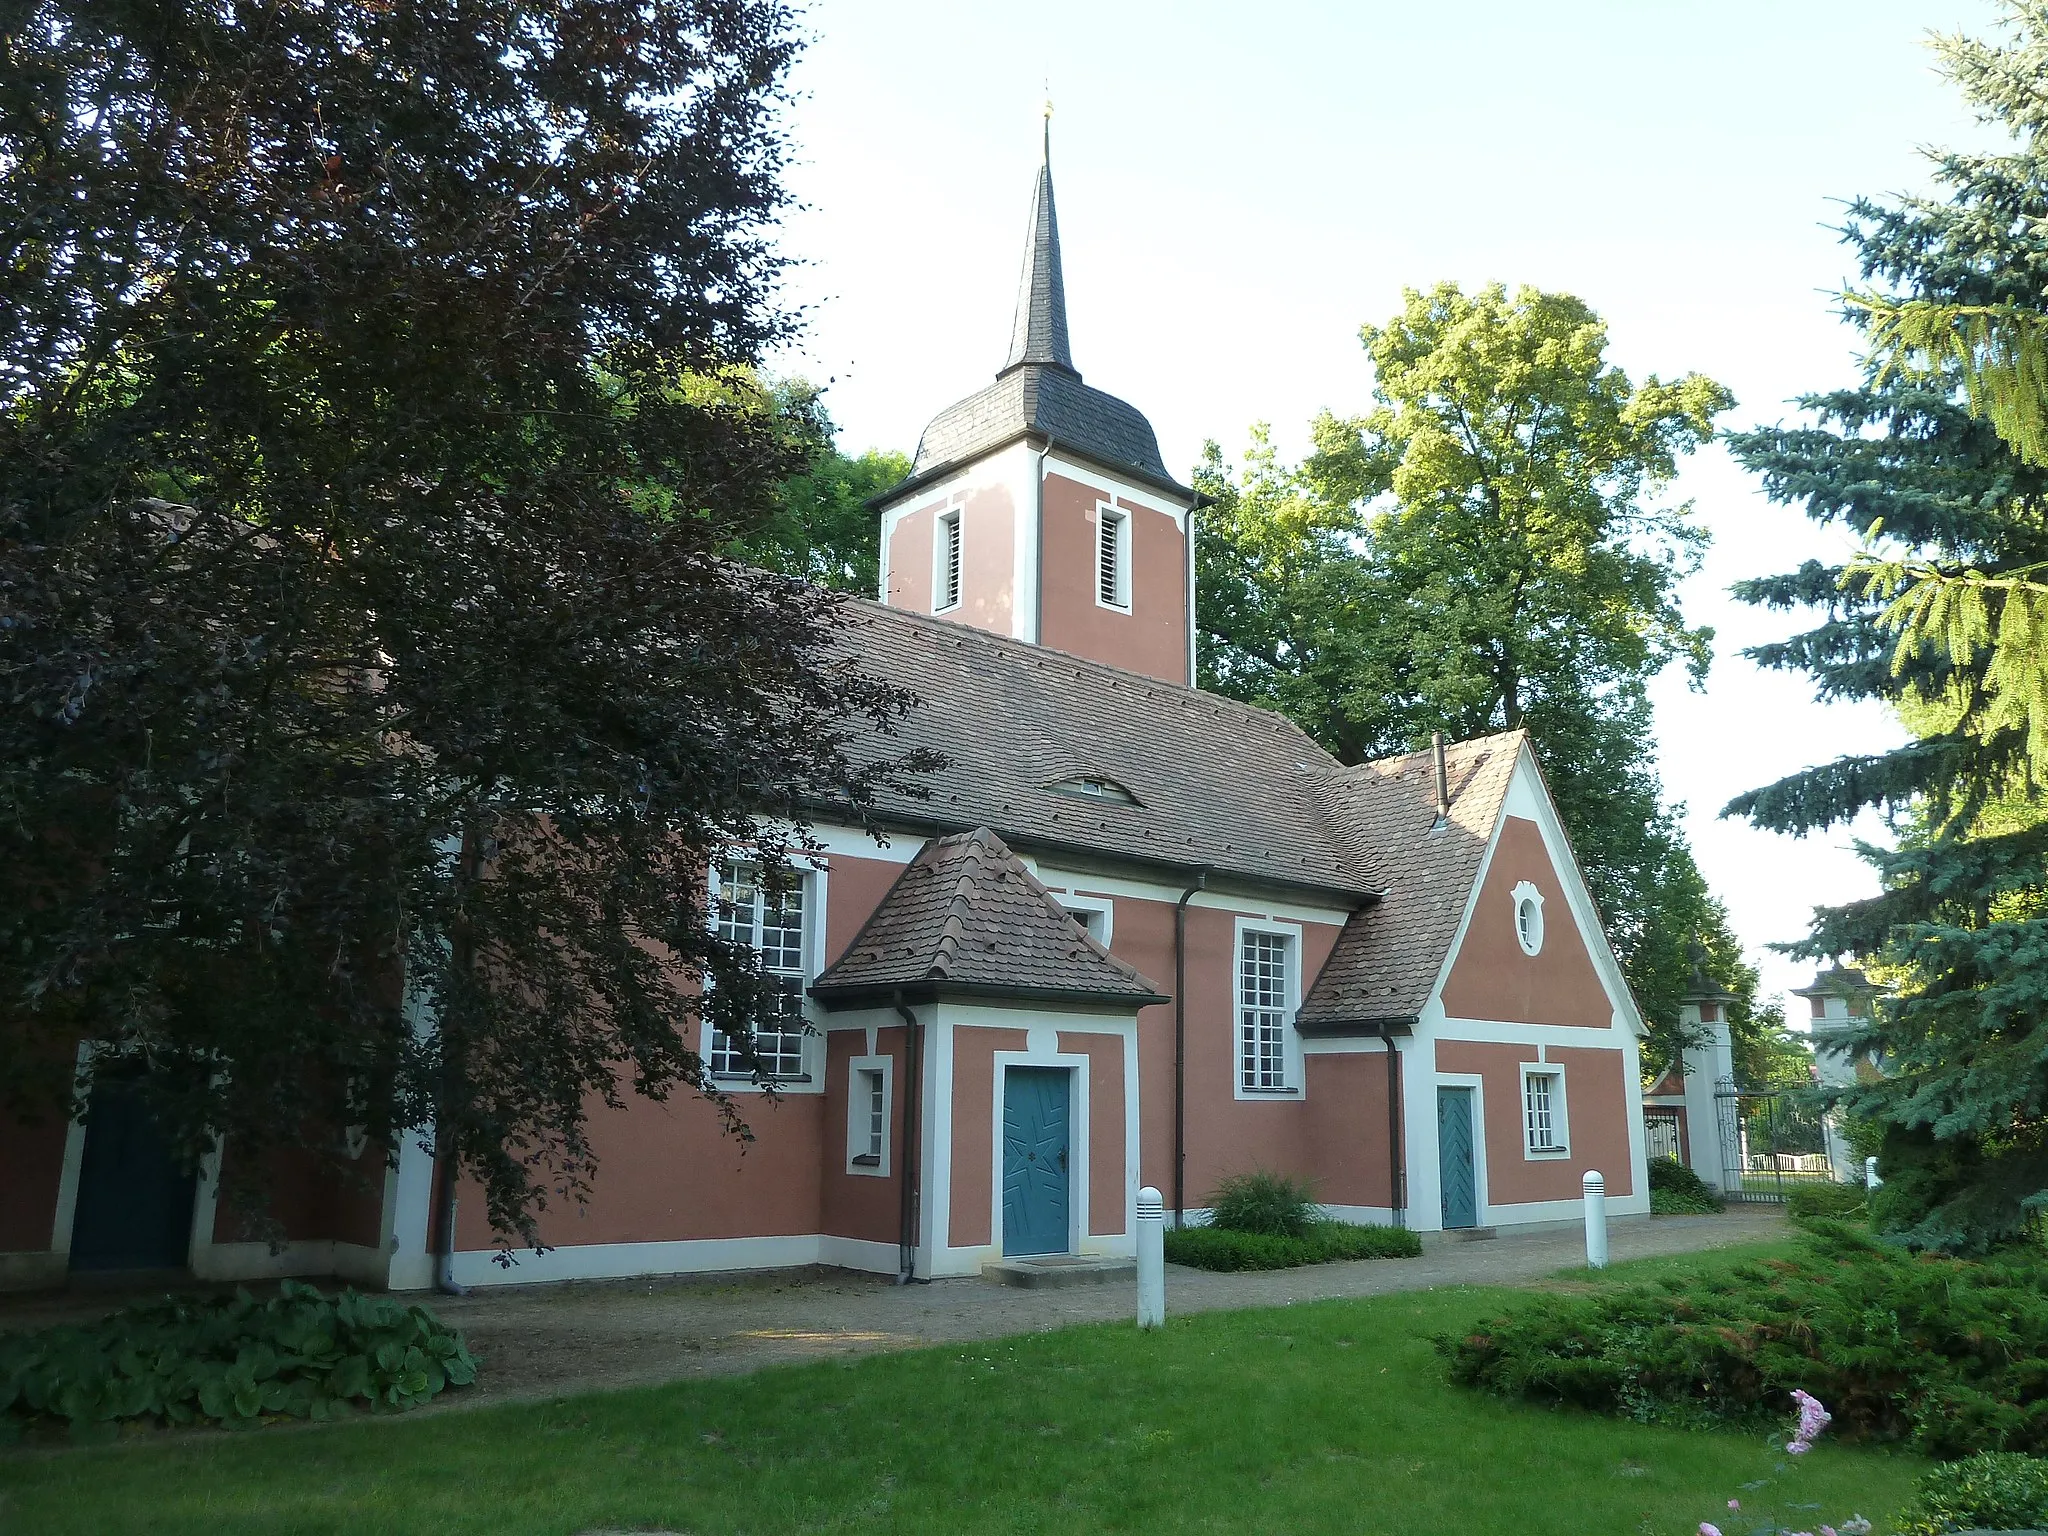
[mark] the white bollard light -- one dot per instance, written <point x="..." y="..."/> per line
<point x="1151" y="1259"/>
<point x="1596" y="1219"/>
<point x="1870" y="1178"/>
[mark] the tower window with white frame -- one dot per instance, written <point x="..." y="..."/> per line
<point x="774" y="925"/>
<point x="870" y="1110"/>
<point x="946" y="585"/>
<point x="1265" y="964"/>
<point x="1113" y="558"/>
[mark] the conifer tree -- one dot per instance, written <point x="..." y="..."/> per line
<point x="1961" y="925"/>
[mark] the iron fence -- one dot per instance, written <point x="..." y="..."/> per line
<point x="1764" y="1146"/>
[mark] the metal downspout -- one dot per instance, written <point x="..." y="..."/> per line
<point x="1397" y="1172"/>
<point x="906" y="1244"/>
<point x="1180" y="1046"/>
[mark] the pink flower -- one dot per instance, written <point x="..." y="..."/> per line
<point x="1828" y="1530"/>
<point x="1735" y="1503"/>
<point x="1709" y="1530"/>
<point x="1798" y="1447"/>
<point x="1813" y="1417"/>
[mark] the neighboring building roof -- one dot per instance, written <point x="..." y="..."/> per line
<point x="966" y="918"/>
<point x="1838" y="981"/>
<point x="1217" y="785"/>
<point x="1039" y="392"/>
<point x="1390" y="954"/>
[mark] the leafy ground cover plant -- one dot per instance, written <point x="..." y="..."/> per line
<point x="1994" y="1491"/>
<point x="1675" y="1190"/>
<point x="1948" y="1355"/>
<point x="230" y="1361"/>
<point x="1321" y="1242"/>
<point x="1269" y="1204"/>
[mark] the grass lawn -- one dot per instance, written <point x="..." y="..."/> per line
<point x="1326" y="1417"/>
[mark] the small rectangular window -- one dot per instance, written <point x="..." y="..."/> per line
<point x="867" y="1116"/>
<point x="1543" y="1111"/>
<point x="949" y="562"/>
<point x="773" y="925"/>
<point x="1112" y="563"/>
<point x="1113" y="558"/>
<point x="1263" y="964"/>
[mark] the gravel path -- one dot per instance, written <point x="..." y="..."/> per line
<point x="546" y="1340"/>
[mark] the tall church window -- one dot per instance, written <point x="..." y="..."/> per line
<point x="773" y="924"/>
<point x="1112" y="559"/>
<point x="948" y="586"/>
<point x="1263" y="990"/>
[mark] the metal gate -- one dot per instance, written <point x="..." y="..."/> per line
<point x="1660" y="1133"/>
<point x="1764" y="1151"/>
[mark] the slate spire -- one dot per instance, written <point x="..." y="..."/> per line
<point x="1039" y="334"/>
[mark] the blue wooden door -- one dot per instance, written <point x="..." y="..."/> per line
<point x="1454" y="1157"/>
<point x="134" y="1202"/>
<point x="1035" y="1103"/>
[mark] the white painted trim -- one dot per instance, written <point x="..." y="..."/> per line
<point x="1560" y="1112"/>
<point x="1060" y="877"/>
<point x="955" y="517"/>
<point x="1531" y="940"/>
<point x="841" y="842"/>
<point x="856" y="1143"/>
<point x="1101" y="906"/>
<point x="935" y="1156"/>
<point x="1482" y="1212"/>
<point x="205" y="1208"/>
<point x="1361" y="1215"/>
<point x="74" y="1161"/>
<point x="686" y="1256"/>
<point x="301" y="1256"/>
<point x="408" y="1207"/>
<point x="1121" y="489"/>
<point x="1124" y="584"/>
<point x="1290" y="1037"/>
<point x="1584" y="1037"/>
<point x="815" y="874"/>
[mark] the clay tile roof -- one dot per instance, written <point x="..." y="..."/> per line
<point x="1217" y="784"/>
<point x="1387" y="959"/>
<point x="966" y="918"/>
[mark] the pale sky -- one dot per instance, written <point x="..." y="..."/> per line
<point x="1241" y="186"/>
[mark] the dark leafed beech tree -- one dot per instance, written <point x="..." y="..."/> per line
<point x="360" y="608"/>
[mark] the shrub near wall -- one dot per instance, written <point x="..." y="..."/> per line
<point x="236" y="1361"/>
<point x="1948" y="1355"/>
<point x="1323" y="1242"/>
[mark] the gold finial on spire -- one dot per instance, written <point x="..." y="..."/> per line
<point x="1048" y="120"/>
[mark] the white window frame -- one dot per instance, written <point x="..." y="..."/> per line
<point x="949" y="559"/>
<point x="859" y="1114"/>
<point x="1560" y="1115"/>
<point x="1290" y="1041"/>
<point x="1100" y="909"/>
<point x="812" y="886"/>
<point x="1113" y="522"/>
<point x="1526" y="897"/>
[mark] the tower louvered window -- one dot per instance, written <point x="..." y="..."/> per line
<point x="1112" y="573"/>
<point x="1262" y="989"/>
<point x="949" y="562"/>
<point x="773" y="925"/>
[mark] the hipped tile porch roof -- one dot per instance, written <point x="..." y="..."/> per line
<point x="967" y="919"/>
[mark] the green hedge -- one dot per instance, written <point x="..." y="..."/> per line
<point x="1675" y="1190"/>
<point x="1997" y="1491"/>
<point x="230" y="1361"/>
<point x="1946" y="1354"/>
<point x="1807" y="1201"/>
<point x="1323" y="1242"/>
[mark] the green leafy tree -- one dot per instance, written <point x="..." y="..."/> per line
<point x="822" y="529"/>
<point x="1487" y="548"/>
<point x="1959" y="926"/>
<point x="367" y="651"/>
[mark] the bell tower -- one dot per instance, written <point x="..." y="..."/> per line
<point x="1039" y="507"/>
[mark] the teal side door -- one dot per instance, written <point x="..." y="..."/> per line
<point x="1035" y="1114"/>
<point x="1454" y="1157"/>
<point x="134" y="1203"/>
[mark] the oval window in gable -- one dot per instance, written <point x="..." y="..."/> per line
<point x="1529" y="918"/>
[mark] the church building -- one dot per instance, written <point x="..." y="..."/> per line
<point x="1136" y="934"/>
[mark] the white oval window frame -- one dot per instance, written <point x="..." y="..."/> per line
<point x="1528" y="918"/>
